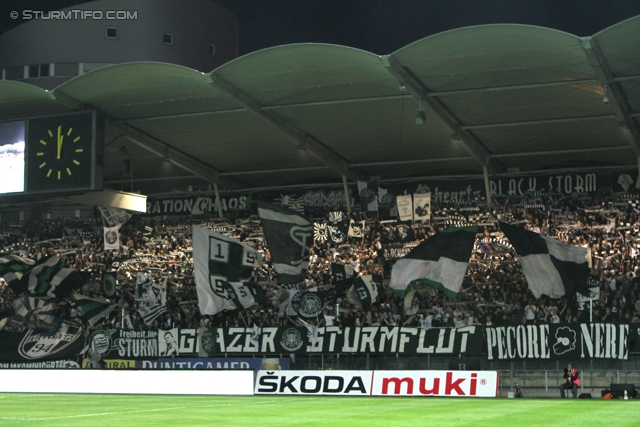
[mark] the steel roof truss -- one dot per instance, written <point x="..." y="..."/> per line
<point x="405" y="77"/>
<point x="315" y="147"/>
<point x="613" y="91"/>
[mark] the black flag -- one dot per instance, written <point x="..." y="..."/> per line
<point x="244" y="295"/>
<point x="368" y="288"/>
<point x="289" y="236"/>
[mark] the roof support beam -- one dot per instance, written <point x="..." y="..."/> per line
<point x="514" y="87"/>
<point x="315" y="147"/>
<point x="162" y="149"/>
<point x="560" y="152"/>
<point x="539" y="122"/>
<point x="149" y="143"/>
<point x="412" y="161"/>
<point x="312" y="168"/>
<point x="626" y="78"/>
<point x="155" y="179"/>
<point x="271" y="107"/>
<point x="264" y="171"/>
<point x="613" y="92"/>
<point x="406" y="77"/>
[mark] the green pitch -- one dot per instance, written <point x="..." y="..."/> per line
<point x="256" y="411"/>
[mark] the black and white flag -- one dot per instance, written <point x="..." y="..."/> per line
<point x="386" y="204"/>
<point x="154" y="299"/>
<point x="405" y="208"/>
<point x="151" y="312"/>
<point x="50" y="276"/>
<point x="326" y="232"/>
<point x="143" y="284"/>
<point x="34" y="311"/>
<point x="356" y="229"/>
<point x="218" y="259"/>
<point x="368" y="288"/>
<point x="341" y="271"/>
<point x="113" y="216"/>
<point x="113" y="219"/>
<point x="422" y="206"/>
<point x="92" y="310"/>
<point x="551" y="267"/>
<point x="289" y="236"/>
<point x="12" y="268"/>
<point x="403" y="233"/>
<point x="305" y="304"/>
<point x="111" y="238"/>
<point x="244" y="295"/>
<point x="168" y="343"/>
<point x="368" y="192"/>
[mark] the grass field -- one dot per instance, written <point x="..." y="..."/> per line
<point x="54" y="410"/>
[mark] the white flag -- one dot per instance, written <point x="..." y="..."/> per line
<point x="422" y="207"/>
<point x="405" y="208"/>
<point x="114" y="216"/>
<point x="217" y="260"/>
<point x="112" y="238"/>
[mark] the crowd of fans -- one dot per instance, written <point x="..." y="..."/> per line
<point x="494" y="290"/>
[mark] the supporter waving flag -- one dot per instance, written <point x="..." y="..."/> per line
<point x="34" y="311"/>
<point x="368" y="288"/>
<point x="289" y="236"/>
<point x="12" y="268"/>
<point x="244" y="295"/>
<point x="219" y="259"/>
<point x="551" y="267"/>
<point x="50" y="276"/>
<point x="441" y="261"/>
<point x="92" y="310"/>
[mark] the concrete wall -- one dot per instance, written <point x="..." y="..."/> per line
<point x="194" y="24"/>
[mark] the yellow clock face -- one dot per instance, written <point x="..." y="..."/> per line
<point x="61" y="152"/>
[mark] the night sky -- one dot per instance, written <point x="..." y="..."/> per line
<point x="383" y="26"/>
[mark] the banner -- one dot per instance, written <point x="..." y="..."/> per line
<point x="112" y="364"/>
<point x="461" y="191"/>
<point x="405" y="208"/>
<point x="395" y="251"/>
<point x="218" y="259"/>
<point x="356" y="229"/>
<point x="54" y="364"/>
<point x="270" y="364"/>
<point x="328" y="383"/>
<point x="106" y="381"/>
<point x="332" y="233"/>
<point x="422" y="207"/>
<point x="194" y="205"/>
<point x="368" y="192"/>
<point x="379" y="383"/>
<point x="18" y="343"/>
<point x="178" y="342"/>
<point x="112" y="238"/>
<point x="124" y="344"/>
<point x="113" y="219"/>
<point x="362" y="340"/>
<point x="289" y="237"/>
<point x="435" y="383"/>
<point x="558" y="341"/>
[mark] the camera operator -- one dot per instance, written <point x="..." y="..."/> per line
<point x="572" y="381"/>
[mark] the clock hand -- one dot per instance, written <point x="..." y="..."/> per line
<point x="60" y="140"/>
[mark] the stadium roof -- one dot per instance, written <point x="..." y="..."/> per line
<point x="495" y="96"/>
